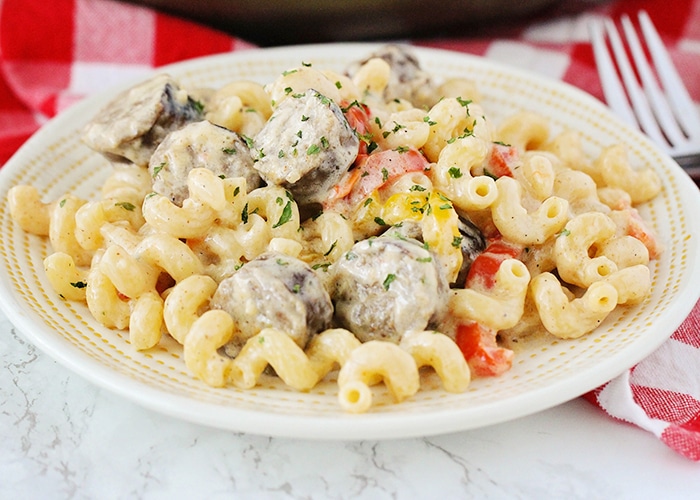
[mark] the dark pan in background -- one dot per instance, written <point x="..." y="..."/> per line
<point x="283" y="22"/>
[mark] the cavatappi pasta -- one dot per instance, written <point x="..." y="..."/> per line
<point x="356" y="226"/>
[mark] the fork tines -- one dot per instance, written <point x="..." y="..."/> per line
<point x="650" y="94"/>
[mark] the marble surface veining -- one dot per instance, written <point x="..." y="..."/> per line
<point x="64" y="438"/>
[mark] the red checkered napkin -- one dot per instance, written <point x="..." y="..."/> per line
<point x="50" y="56"/>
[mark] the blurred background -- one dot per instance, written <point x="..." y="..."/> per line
<point x="284" y="22"/>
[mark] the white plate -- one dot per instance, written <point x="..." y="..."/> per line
<point x="56" y="162"/>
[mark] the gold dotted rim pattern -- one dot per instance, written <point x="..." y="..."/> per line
<point x="56" y="162"/>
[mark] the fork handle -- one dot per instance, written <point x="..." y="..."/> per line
<point x="691" y="164"/>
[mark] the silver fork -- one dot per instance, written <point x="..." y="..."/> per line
<point x="655" y="101"/>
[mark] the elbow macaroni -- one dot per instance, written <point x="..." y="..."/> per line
<point x="143" y="263"/>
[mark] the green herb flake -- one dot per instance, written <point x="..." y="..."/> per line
<point x="457" y="241"/>
<point x="388" y="280"/>
<point x="78" y="284"/>
<point x="385" y="174"/>
<point x="229" y="151"/>
<point x="488" y="173"/>
<point x="244" y="214"/>
<point x="286" y="215"/>
<point x="455" y="172"/>
<point x="126" y="205"/>
<point x="331" y="249"/>
<point x="380" y="221"/>
<point x="313" y="149"/>
<point x="158" y="168"/>
<point x="197" y="105"/>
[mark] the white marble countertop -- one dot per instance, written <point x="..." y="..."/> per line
<point x="62" y="437"/>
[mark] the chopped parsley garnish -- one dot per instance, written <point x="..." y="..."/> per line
<point x="158" y="168"/>
<point x="455" y="172"/>
<point x="331" y="249"/>
<point x="126" y="205"/>
<point x="244" y="214"/>
<point x="197" y="105"/>
<point x="78" y="284"/>
<point x="229" y="151"/>
<point x="388" y="280"/>
<point x="286" y="215"/>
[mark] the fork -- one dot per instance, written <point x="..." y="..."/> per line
<point x="654" y="99"/>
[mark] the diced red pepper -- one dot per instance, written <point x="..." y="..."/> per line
<point x="482" y="272"/>
<point x="481" y="350"/>
<point x="372" y="172"/>
<point x="358" y="116"/>
<point x="638" y="228"/>
<point x="501" y="161"/>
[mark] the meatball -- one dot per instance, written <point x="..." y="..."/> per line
<point x="385" y="286"/>
<point x="199" y="145"/>
<point x="132" y="125"/>
<point x="278" y="291"/>
<point x="407" y="80"/>
<point x="471" y="245"/>
<point x="306" y="146"/>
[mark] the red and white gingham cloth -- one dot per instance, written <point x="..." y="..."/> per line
<point x="54" y="54"/>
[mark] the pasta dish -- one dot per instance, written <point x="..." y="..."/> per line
<point x="363" y="226"/>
